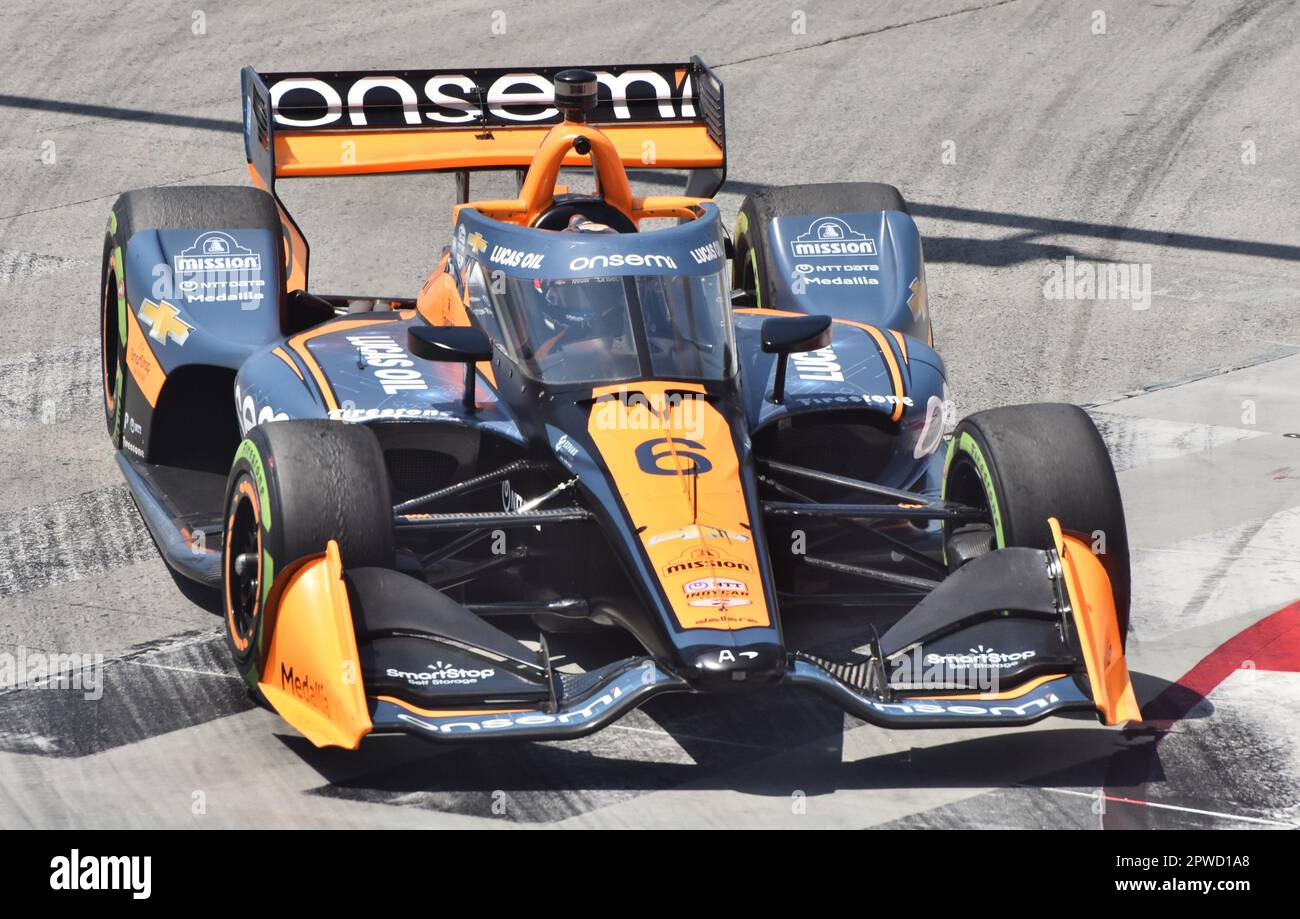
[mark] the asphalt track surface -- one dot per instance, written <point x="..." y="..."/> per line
<point x="1021" y="138"/>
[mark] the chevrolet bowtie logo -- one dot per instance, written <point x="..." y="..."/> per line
<point x="163" y="321"/>
<point x="477" y="242"/>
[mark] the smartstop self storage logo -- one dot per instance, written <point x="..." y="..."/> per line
<point x="75" y="871"/>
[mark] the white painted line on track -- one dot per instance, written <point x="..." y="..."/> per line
<point x="1168" y="807"/>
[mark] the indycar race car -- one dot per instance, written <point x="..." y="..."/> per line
<point x="601" y="411"/>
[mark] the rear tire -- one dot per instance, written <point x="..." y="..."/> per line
<point x="759" y="209"/>
<point x="293" y="487"/>
<point x="191" y="207"/>
<point x="1025" y="463"/>
<point x="112" y="333"/>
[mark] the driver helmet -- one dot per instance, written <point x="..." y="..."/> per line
<point x="584" y="307"/>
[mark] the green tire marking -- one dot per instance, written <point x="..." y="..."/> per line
<point x="248" y="451"/>
<point x="966" y="444"/>
<point x="121" y="295"/>
<point x="112" y="223"/>
<point x="268" y="566"/>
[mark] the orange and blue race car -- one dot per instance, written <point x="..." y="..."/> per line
<point x="601" y="411"/>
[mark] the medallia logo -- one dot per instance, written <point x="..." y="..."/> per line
<point x="831" y="237"/>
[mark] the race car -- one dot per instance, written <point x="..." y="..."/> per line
<point x="601" y="411"/>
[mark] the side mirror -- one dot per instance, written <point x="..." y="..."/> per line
<point x="786" y="335"/>
<point x="460" y="344"/>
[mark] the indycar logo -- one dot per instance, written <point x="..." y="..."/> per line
<point x="831" y="237"/>
<point x="714" y="589"/>
<point x="164" y="322"/>
<point x="695" y="531"/>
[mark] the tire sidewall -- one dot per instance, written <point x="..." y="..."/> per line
<point x="250" y="484"/>
<point x="748" y="262"/>
<point x="112" y="317"/>
<point x="1020" y="519"/>
<point x="969" y="448"/>
<point x="313" y="490"/>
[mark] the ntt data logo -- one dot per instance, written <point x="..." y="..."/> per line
<point x="831" y="237"/>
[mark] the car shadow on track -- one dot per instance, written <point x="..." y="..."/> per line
<point x="781" y="743"/>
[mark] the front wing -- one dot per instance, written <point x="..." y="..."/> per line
<point x="336" y="688"/>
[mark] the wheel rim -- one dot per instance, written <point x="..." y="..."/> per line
<point x="964" y="485"/>
<point x="110" y="342"/>
<point x="243" y="584"/>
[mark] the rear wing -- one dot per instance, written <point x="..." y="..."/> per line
<point x="659" y="116"/>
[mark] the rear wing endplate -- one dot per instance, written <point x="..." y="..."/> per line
<point x="659" y="116"/>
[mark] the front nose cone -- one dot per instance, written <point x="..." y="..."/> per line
<point x="732" y="668"/>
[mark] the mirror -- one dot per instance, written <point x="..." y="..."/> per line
<point x="462" y="344"/>
<point x="786" y="335"/>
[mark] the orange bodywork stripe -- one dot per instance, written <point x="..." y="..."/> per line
<point x="902" y="343"/>
<point x="320" y="153"/>
<point x="299" y="344"/>
<point x="453" y="713"/>
<point x="282" y="355"/>
<point x="886" y="352"/>
<point x="141" y="361"/>
<point x="998" y="696"/>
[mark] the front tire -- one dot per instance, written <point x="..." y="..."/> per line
<point x="294" y="486"/>
<point x="1025" y="463"/>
